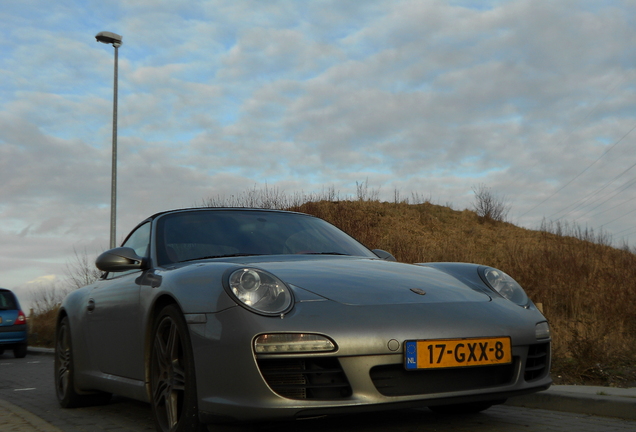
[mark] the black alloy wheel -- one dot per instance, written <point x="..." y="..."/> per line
<point x="64" y="381"/>
<point x="172" y="378"/>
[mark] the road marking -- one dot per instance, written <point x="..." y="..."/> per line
<point x="24" y="389"/>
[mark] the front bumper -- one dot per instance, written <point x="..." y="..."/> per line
<point x="235" y="385"/>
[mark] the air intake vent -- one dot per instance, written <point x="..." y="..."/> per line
<point x="537" y="362"/>
<point x="394" y="380"/>
<point x="321" y="378"/>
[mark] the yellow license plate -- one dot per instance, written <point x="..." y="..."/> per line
<point x="449" y="353"/>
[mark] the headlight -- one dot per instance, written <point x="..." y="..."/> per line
<point x="506" y="286"/>
<point x="260" y="291"/>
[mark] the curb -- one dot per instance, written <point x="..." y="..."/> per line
<point x="596" y="401"/>
<point x="21" y="419"/>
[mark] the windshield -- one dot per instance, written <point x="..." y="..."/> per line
<point x="200" y="234"/>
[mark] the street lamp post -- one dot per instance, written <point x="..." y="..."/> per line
<point x="114" y="40"/>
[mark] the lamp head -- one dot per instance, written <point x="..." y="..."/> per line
<point x="109" y="38"/>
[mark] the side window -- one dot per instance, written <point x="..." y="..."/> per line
<point x="139" y="240"/>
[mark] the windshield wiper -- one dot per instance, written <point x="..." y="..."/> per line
<point x="221" y="256"/>
<point x="324" y="253"/>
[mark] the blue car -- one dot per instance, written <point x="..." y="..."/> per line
<point x="13" y="325"/>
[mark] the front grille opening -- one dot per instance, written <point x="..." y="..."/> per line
<point x="537" y="361"/>
<point x="320" y="378"/>
<point x="394" y="380"/>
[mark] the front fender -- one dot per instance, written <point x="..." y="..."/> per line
<point x="197" y="288"/>
<point x="464" y="272"/>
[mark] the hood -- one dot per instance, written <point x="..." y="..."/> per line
<point x="362" y="281"/>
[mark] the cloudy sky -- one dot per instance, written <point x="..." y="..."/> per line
<point x="534" y="99"/>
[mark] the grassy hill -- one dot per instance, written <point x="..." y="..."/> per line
<point x="587" y="290"/>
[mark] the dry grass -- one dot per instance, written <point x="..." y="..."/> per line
<point x="42" y="328"/>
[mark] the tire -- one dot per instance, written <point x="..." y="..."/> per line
<point x="465" y="408"/>
<point x="172" y="376"/>
<point x="20" y="351"/>
<point x="1" y="351"/>
<point x="64" y="369"/>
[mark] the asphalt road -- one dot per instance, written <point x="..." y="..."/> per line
<point x="28" y="383"/>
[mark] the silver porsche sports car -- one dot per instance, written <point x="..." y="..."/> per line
<point x="223" y="315"/>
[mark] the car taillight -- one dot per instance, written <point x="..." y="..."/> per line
<point x="21" y="319"/>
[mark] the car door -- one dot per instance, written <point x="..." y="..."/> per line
<point x="116" y="335"/>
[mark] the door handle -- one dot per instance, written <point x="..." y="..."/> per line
<point x="91" y="305"/>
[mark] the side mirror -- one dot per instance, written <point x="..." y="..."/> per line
<point x="120" y="259"/>
<point x="383" y="255"/>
